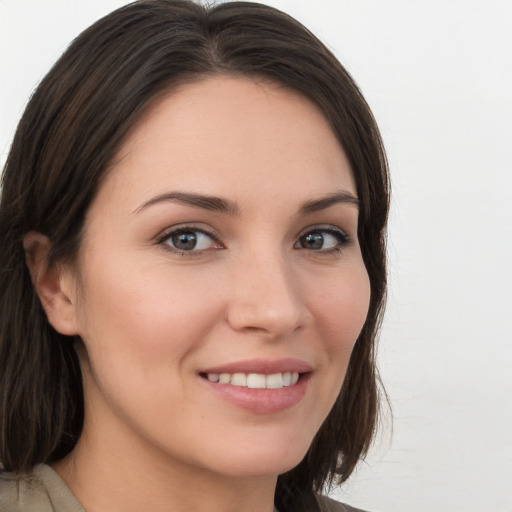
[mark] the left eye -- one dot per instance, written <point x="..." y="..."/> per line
<point x="189" y="240"/>
<point x="322" y="240"/>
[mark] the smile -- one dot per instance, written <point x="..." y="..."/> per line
<point x="255" y="380"/>
<point x="260" y="386"/>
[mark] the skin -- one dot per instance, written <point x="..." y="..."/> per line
<point x="155" y="436"/>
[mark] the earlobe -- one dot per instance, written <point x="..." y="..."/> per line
<point x="51" y="282"/>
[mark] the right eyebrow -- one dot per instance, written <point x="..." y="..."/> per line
<point x="206" y="202"/>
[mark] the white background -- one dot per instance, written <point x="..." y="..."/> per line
<point x="438" y="75"/>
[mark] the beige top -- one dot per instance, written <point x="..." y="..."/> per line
<point x="41" y="491"/>
<point x="44" y="491"/>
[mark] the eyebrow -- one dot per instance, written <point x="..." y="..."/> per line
<point x="316" y="205"/>
<point x="212" y="203"/>
<point x="218" y="204"/>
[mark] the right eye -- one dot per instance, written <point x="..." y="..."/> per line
<point x="190" y="240"/>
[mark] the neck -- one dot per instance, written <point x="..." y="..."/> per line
<point x="105" y="479"/>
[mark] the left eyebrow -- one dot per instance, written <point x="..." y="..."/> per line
<point x="315" y="205"/>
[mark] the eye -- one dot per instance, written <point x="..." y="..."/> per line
<point x="323" y="240"/>
<point x="189" y="240"/>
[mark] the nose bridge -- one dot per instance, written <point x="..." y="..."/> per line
<point x="266" y="294"/>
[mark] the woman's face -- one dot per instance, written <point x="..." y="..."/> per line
<point x="221" y="249"/>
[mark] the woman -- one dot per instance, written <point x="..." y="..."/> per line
<point x="193" y="269"/>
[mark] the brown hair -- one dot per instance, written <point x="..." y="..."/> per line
<point x="64" y="143"/>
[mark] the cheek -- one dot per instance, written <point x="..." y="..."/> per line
<point x="341" y="311"/>
<point x="141" y="330"/>
<point x="146" y="317"/>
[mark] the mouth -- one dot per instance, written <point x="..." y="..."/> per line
<point x="259" y="386"/>
<point x="255" y="380"/>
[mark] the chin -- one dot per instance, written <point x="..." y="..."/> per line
<point x="262" y="458"/>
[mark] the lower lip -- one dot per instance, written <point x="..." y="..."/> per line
<point x="261" y="401"/>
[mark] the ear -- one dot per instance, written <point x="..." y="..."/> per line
<point x="53" y="284"/>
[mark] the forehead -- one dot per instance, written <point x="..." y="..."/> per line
<point x="231" y="136"/>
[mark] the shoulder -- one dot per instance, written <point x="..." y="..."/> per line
<point x="39" y="491"/>
<point x="23" y="493"/>
<point x="329" y="505"/>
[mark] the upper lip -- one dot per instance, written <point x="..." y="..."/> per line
<point x="262" y="366"/>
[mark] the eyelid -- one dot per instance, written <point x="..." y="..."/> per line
<point x="330" y="228"/>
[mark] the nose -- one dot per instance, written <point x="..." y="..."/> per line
<point x="266" y="298"/>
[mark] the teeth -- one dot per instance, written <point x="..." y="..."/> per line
<point x="256" y="380"/>
<point x="239" y="379"/>
<point x="275" y="381"/>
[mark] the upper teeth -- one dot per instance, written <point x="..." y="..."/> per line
<point x="256" y="380"/>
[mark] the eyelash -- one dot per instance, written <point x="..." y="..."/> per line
<point x="344" y="240"/>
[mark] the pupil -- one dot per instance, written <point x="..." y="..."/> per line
<point x="185" y="241"/>
<point x="313" y="241"/>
